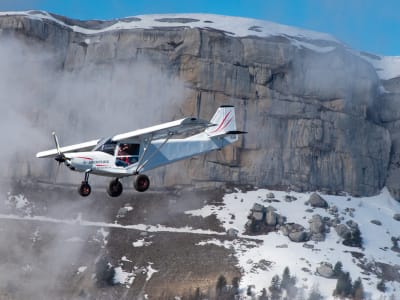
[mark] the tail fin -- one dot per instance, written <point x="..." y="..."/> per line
<point x="223" y="121"/>
<point x="224" y="125"/>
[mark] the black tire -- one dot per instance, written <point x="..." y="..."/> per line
<point x="115" y="188"/>
<point x="142" y="183"/>
<point x="84" y="189"/>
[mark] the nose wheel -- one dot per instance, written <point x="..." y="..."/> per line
<point x="142" y="183"/>
<point x="85" y="189"/>
<point x="115" y="188"/>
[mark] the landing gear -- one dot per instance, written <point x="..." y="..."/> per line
<point x="142" y="183"/>
<point x="115" y="188"/>
<point x="85" y="189"/>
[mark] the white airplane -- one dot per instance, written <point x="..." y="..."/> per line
<point x="135" y="152"/>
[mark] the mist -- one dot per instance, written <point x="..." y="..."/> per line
<point x="36" y="98"/>
<point x="93" y="102"/>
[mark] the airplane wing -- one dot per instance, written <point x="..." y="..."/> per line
<point x="87" y="146"/>
<point x="163" y="130"/>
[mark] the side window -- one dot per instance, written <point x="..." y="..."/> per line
<point x="133" y="149"/>
<point x="127" y="154"/>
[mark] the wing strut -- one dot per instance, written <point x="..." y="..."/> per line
<point x="141" y="165"/>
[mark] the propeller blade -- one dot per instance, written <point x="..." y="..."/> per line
<point x="57" y="144"/>
<point x="60" y="157"/>
<point x="57" y="171"/>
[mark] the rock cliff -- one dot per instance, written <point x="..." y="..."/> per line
<point x="319" y="116"/>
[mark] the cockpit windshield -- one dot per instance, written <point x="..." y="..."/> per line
<point x="106" y="145"/>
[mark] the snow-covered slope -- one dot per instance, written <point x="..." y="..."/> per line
<point x="262" y="256"/>
<point x="303" y="260"/>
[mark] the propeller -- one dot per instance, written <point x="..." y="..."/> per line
<point x="60" y="156"/>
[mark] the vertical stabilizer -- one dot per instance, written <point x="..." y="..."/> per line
<point x="223" y="121"/>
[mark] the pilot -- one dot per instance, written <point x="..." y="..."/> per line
<point x="123" y="149"/>
<point x="123" y="159"/>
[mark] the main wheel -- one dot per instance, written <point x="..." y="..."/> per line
<point x="142" y="183"/>
<point x="85" y="189"/>
<point x="115" y="188"/>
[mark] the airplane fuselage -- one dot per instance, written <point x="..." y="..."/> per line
<point x="95" y="162"/>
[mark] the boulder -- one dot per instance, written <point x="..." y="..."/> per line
<point x="298" y="236"/>
<point x="270" y="195"/>
<point x="289" y="198"/>
<point x="376" y="222"/>
<point x="232" y="232"/>
<point x="295" y="232"/>
<point x="257" y="216"/>
<point x="281" y="220"/>
<point x="317" y="201"/>
<point x="270" y="208"/>
<point x="258" y="207"/>
<point x="284" y="230"/>
<point x="271" y="218"/>
<point x="396" y="217"/>
<point x="333" y="210"/>
<point x="352" y="224"/>
<point x="343" y="231"/>
<point x="325" y="270"/>
<point x="317" y="237"/>
<point x="317" y="224"/>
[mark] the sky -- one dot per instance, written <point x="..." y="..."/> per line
<point x="367" y="25"/>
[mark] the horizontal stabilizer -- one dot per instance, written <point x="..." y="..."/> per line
<point x="236" y="132"/>
<point x="227" y="133"/>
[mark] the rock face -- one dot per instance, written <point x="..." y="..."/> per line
<point x="389" y="114"/>
<point x="307" y="108"/>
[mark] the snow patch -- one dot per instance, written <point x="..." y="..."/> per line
<point x="387" y="67"/>
<point x="123" y="277"/>
<point x="124" y="258"/>
<point x="141" y="243"/>
<point x="81" y="269"/>
<point x="150" y="271"/>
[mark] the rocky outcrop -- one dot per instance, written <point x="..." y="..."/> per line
<point x="263" y="219"/>
<point x="305" y="103"/>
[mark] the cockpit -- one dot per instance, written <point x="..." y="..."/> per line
<point x="126" y="154"/>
